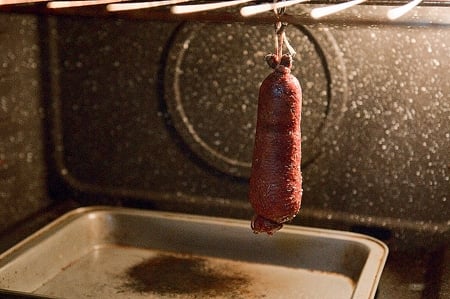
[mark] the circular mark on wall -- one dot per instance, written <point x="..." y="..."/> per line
<point x="212" y="80"/>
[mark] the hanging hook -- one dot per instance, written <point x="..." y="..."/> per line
<point x="279" y="11"/>
<point x="280" y="38"/>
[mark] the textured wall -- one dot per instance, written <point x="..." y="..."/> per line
<point x="166" y="115"/>
<point x="171" y="116"/>
<point x="22" y="168"/>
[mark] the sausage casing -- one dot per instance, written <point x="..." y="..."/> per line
<point x="276" y="179"/>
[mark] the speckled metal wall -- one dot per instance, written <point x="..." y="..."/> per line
<point x="163" y="109"/>
<point x="23" y="189"/>
<point x="164" y="113"/>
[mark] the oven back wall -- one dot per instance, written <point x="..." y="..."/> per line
<point x="164" y="113"/>
<point x="23" y="171"/>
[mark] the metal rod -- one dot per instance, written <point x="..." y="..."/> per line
<point x="260" y="8"/>
<point x="81" y="3"/>
<point x="181" y="9"/>
<point x="397" y="12"/>
<point x="320" y="12"/>
<point x="13" y="2"/>
<point x="142" y="5"/>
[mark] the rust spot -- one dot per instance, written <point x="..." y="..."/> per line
<point x="186" y="275"/>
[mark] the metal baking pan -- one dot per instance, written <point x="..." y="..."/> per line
<point x="104" y="252"/>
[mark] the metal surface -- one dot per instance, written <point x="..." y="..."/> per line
<point x="234" y="83"/>
<point x="383" y="153"/>
<point x="383" y="171"/>
<point x="115" y="252"/>
<point x="373" y="14"/>
<point x="22" y="150"/>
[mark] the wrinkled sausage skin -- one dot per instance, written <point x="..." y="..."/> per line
<point x="276" y="180"/>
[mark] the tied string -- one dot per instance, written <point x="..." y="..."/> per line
<point x="273" y="60"/>
<point x="280" y="40"/>
<point x="280" y="35"/>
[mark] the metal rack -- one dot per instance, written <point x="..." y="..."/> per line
<point x="300" y="11"/>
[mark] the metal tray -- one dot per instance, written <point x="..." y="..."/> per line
<point x="105" y="252"/>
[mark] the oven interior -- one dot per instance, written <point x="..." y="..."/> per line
<point x="152" y="110"/>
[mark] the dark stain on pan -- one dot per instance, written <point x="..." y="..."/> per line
<point x="185" y="275"/>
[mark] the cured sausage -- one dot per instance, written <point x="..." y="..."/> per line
<point x="276" y="180"/>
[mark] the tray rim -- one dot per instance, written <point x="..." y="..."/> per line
<point x="76" y="213"/>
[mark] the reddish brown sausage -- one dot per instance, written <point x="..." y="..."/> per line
<point x="276" y="180"/>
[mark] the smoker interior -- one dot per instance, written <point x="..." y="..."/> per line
<point x="160" y="113"/>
